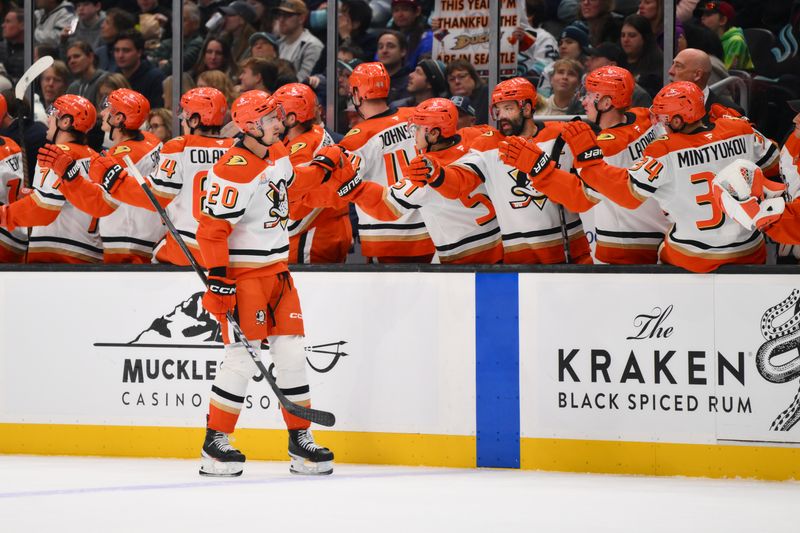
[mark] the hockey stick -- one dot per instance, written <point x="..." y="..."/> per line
<point x="33" y="72"/>
<point x="562" y="218"/>
<point x="322" y="418"/>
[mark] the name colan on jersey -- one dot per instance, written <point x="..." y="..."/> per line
<point x="204" y="155"/>
<point x="712" y="152"/>
<point x="395" y="135"/>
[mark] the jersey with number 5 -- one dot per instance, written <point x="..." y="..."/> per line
<point x="386" y="148"/>
<point x="246" y="212"/>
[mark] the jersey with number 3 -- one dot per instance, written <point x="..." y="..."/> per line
<point x="386" y="148"/>
<point x="677" y="171"/>
<point x="247" y="212"/>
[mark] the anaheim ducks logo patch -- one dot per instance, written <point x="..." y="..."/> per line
<point x="605" y="137"/>
<point x="278" y="202"/>
<point x="121" y="149"/>
<point x="488" y="134"/>
<point x="236" y="161"/>
<point x="296" y="147"/>
<point x="354" y="131"/>
<point x="63" y="147"/>
<point x="522" y="189"/>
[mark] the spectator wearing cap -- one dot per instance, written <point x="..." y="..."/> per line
<point x="264" y="20"/>
<point x="392" y="51"/>
<point x="355" y="17"/>
<point x="601" y="23"/>
<point x="610" y="54"/>
<point x="297" y="45"/>
<point x="643" y="57"/>
<point x="143" y="76"/>
<point x="426" y="81"/>
<point x="264" y="45"/>
<point x="694" y="65"/>
<point x="463" y="80"/>
<point x="408" y="19"/>
<point x="718" y="17"/>
<point x="236" y="29"/>
<point x="467" y="128"/>
<point x="572" y="44"/>
<point x="566" y="82"/>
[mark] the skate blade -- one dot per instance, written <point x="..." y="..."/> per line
<point x="304" y="467"/>
<point x="213" y="468"/>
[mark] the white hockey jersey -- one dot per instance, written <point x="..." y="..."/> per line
<point x="13" y="243"/>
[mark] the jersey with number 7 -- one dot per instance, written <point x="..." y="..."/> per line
<point x="677" y="170"/>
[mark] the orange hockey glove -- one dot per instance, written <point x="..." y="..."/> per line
<point x="59" y="161"/>
<point x="107" y="172"/>
<point x="220" y="296"/>
<point x="347" y="179"/>
<point x="524" y="155"/>
<point x="424" y="170"/>
<point x="583" y="143"/>
<point x="329" y="158"/>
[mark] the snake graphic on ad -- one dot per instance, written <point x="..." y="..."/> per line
<point x="782" y="339"/>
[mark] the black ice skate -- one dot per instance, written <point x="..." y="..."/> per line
<point x="308" y="458"/>
<point x="219" y="458"/>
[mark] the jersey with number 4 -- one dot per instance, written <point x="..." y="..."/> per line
<point x="246" y="212"/>
<point x="13" y="243"/>
<point x="677" y="171"/>
<point x="61" y="233"/>
<point x="386" y="148"/>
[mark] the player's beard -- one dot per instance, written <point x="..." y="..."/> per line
<point x="511" y="127"/>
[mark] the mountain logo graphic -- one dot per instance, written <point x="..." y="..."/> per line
<point x="188" y="325"/>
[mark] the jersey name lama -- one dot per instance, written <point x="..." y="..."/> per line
<point x="395" y="135"/>
<point x="205" y="156"/>
<point x="636" y="149"/>
<point x="711" y="152"/>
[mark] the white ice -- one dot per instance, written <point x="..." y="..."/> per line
<point x="67" y="494"/>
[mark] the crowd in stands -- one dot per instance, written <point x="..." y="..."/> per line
<point x="242" y="45"/>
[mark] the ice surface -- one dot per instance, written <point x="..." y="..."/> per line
<point x="152" y="495"/>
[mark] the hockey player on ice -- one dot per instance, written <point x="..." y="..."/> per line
<point x="244" y="241"/>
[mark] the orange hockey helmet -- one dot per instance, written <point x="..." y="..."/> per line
<point x="612" y="81"/>
<point x="132" y="104"/>
<point x="517" y="90"/>
<point x="82" y="111"/>
<point x="680" y="98"/>
<point x="370" y="80"/>
<point x="253" y="105"/>
<point x="298" y="98"/>
<point x="437" y="113"/>
<point x="207" y="102"/>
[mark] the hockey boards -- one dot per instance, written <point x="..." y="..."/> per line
<point x="33" y="72"/>
<point x="316" y="416"/>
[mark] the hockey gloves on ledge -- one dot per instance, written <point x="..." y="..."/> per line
<point x="220" y="296"/>
<point x="524" y="155"/>
<point x="59" y="161"/>
<point x="582" y="142"/>
<point x="424" y="170"/>
<point x="743" y="192"/>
